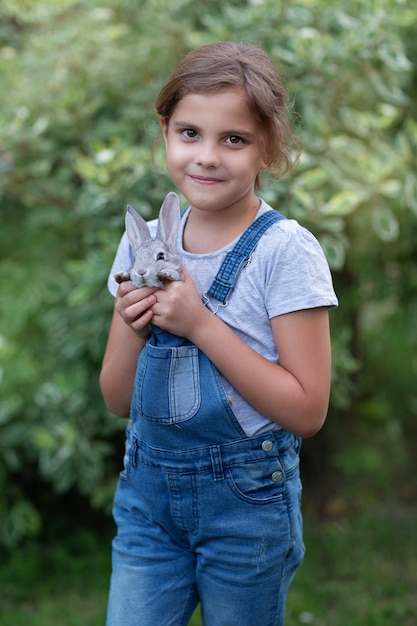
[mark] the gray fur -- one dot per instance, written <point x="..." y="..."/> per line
<point x="156" y="259"/>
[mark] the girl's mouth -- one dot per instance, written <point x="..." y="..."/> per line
<point x="205" y="180"/>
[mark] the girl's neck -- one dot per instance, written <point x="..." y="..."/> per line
<point x="206" y="232"/>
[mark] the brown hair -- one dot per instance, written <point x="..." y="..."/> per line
<point x="218" y="66"/>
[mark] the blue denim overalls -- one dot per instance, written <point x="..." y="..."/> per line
<point x="203" y="511"/>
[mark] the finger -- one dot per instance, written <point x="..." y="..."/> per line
<point x="187" y="278"/>
<point x="135" y="310"/>
<point x="124" y="288"/>
<point x="128" y="287"/>
<point x="186" y="274"/>
<point x="142" y="321"/>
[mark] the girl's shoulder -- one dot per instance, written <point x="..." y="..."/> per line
<point x="295" y="271"/>
<point x="288" y="237"/>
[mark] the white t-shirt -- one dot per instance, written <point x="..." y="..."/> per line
<point x="287" y="272"/>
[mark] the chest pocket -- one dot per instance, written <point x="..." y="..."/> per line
<point x="168" y="383"/>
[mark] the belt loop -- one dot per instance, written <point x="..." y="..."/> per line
<point x="216" y="462"/>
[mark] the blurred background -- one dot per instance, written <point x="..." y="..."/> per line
<point x="78" y="140"/>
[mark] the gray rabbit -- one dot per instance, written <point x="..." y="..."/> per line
<point x="156" y="259"/>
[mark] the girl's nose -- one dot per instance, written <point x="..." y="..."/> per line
<point x="207" y="155"/>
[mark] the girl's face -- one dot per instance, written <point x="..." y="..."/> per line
<point x="214" y="150"/>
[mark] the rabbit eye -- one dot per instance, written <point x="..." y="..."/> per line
<point x="160" y="256"/>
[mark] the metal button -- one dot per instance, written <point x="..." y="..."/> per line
<point x="267" y="446"/>
<point x="277" y="476"/>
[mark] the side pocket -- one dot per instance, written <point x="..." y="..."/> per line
<point x="128" y="445"/>
<point x="168" y="384"/>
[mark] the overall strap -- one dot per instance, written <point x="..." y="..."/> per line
<point x="237" y="258"/>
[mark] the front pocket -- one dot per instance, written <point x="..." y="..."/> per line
<point x="168" y="383"/>
<point x="258" y="482"/>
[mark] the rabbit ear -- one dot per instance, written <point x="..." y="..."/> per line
<point x="169" y="220"/>
<point x="136" y="227"/>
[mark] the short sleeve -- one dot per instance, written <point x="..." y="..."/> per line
<point x="298" y="275"/>
<point x="123" y="261"/>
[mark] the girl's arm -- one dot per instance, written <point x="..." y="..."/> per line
<point x="293" y="393"/>
<point x="129" y="331"/>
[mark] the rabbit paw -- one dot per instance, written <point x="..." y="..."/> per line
<point x="167" y="277"/>
<point x="121" y="277"/>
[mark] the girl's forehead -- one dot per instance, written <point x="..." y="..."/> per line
<point x="226" y="105"/>
<point x="232" y="95"/>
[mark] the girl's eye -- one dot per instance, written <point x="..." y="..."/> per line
<point x="189" y="133"/>
<point x="235" y="140"/>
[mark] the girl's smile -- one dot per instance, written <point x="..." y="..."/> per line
<point x="214" y="150"/>
<point x="206" y="180"/>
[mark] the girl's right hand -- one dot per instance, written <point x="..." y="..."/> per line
<point x="134" y="306"/>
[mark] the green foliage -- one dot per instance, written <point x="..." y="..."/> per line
<point x="79" y="139"/>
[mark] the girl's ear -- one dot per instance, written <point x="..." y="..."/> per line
<point x="266" y="157"/>
<point x="164" y="125"/>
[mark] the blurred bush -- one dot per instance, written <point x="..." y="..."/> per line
<point x="79" y="139"/>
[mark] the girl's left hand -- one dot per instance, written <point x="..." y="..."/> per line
<point x="178" y="307"/>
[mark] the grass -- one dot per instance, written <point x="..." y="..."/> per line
<point x="360" y="570"/>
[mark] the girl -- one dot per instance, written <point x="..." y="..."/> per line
<point x="220" y="387"/>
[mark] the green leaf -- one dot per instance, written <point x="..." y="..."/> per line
<point x="334" y="251"/>
<point x="390" y="188"/>
<point x="410" y="191"/>
<point x="313" y="178"/>
<point x="385" y="224"/>
<point x="343" y="203"/>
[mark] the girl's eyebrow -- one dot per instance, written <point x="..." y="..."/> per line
<point x="223" y="133"/>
